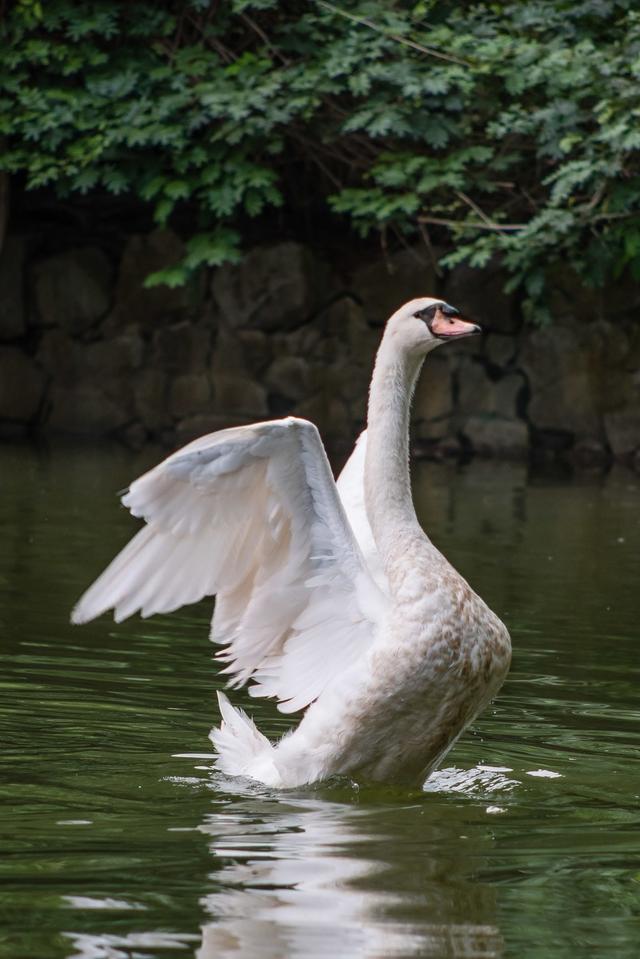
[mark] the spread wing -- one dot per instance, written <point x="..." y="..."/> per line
<point x="253" y="515"/>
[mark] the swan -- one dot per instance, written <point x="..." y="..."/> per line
<point x="330" y="596"/>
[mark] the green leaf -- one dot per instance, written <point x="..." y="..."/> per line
<point x="466" y="116"/>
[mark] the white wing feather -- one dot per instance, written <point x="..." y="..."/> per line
<point x="351" y="492"/>
<point x="253" y="515"/>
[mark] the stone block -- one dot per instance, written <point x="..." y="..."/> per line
<point x="495" y="436"/>
<point x="115" y="357"/>
<point x="479" y="294"/>
<point x="288" y="376"/>
<point x="564" y="380"/>
<point x="273" y="288"/>
<point x="189" y="394"/>
<point x="134" y="436"/>
<point x="255" y="348"/>
<point x="86" y="410"/>
<point x="329" y="413"/>
<point x="150" y="399"/>
<point x="336" y="425"/>
<point x="435" y="428"/>
<point x="21" y="385"/>
<point x="476" y="391"/>
<point x="568" y="299"/>
<point x="506" y="394"/>
<point x="143" y="255"/>
<point x="12" y="311"/>
<point x="341" y="379"/>
<point x="234" y="396"/>
<point x="314" y="409"/>
<point x="191" y="427"/>
<point x="433" y="398"/>
<point x="568" y="404"/>
<point x="343" y="324"/>
<point x="72" y="289"/>
<point x="621" y="300"/>
<point x="620" y="388"/>
<point x="328" y="350"/>
<point x="301" y="342"/>
<point x="500" y="349"/>
<point x="181" y="348"/>
<point x="589" y="454"/>
<point x="384" y="284"/>
<point x="623" y="430"/>
<point x="353" y="383"/>
<point x="61" y="357"/>
<point x="11" y="430"/>
<point x="5" y="186"/>
<point x="632" y="360"/>
<point x="228" y="356"/>
<point x="571" y="300"/>
<point x="358" y="409"/>
<point x="438" y="447"/>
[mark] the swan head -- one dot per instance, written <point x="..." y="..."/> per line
<point x="426" y="322"/>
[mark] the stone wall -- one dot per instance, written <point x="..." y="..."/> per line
<point x="86" y="349"/>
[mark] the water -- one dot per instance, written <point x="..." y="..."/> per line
<point x="117" y="844"/>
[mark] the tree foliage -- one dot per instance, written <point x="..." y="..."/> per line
<point x="506" y="128"/>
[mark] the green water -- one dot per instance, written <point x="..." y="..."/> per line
<point x="115" y="844"/>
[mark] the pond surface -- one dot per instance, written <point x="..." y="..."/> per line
<point x="117" y="844"/>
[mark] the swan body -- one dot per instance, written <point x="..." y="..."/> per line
<point x="330" y="597"/>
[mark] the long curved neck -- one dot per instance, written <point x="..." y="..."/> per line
<point x="387" y="484"/>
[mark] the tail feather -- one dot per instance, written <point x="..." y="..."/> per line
<point x="242" y="749"/>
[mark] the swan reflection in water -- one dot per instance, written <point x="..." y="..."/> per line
<point x="371" y="874"/>
<point x="305" y="876"/>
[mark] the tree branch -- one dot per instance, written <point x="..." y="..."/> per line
<point x="265" y="39"/>
<point x="365" y="22"/>
<point x="466" y="225"/>
<point x="474" y="206"/>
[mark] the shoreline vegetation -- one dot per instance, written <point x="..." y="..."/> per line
<point x="209" y="209"/>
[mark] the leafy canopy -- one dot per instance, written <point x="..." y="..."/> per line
<point x="506" y="128"/>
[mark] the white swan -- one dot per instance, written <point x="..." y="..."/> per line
<point x="329" y="596"/>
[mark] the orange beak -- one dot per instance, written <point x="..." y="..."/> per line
<point x="450" y="326"/>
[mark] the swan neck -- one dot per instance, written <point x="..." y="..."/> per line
<point x="388" y="498"/>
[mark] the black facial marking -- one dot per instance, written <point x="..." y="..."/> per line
<point x="430" y="311"/>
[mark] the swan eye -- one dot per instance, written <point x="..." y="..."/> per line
<point x="430" y="311"/>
